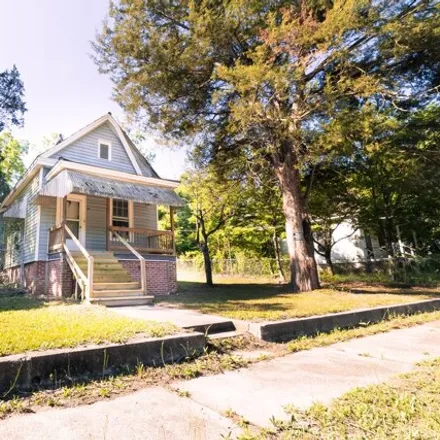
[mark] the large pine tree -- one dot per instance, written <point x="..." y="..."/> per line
<point x="259" y="79"/>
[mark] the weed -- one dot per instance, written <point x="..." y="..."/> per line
<point x="408" y="407"/>
<point x="183" y="393"/>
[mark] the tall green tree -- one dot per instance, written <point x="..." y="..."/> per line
<point x="213" y="203"/>
<point x="12" y="106"/>
<point x="260" y="80"/>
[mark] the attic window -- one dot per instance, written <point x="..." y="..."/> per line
<point x="105" y="150"/>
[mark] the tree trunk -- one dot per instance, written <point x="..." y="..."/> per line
<point x="304" y="273"/>
<point x="328" y="260"/>
<point x="276" y="246"/>
<point x="207" y="264"/>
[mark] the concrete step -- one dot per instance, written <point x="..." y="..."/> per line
<point x="133" y="285"/>
<point x="127" y="300"/>
<point x="224" y="335"/>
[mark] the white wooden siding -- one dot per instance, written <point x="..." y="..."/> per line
<point x="48" y="219"/>
<point x="85" y="150"/>
<point x="145" y="216"/>
<point x="29" y="224"/>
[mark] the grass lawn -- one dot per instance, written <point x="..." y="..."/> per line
<point x="29" y="324"/>
<point x="222" y="355"/>
<point x="406" y="408"/>
<point x="253" y="301"/>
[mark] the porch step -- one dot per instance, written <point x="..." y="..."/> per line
<point x="123" y="301"/>
<point x="112" y="283"/>
<point x="107" y="268"/>
<point x="117" y="293"/>
<point x="133" y="285"/>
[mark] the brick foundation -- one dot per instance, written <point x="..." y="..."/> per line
<point x="161" y="275"/>
<point x="54" y="278"/>
<point x="59" y="281"/>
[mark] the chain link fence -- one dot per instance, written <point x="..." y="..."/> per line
<point x="410" y="269"/>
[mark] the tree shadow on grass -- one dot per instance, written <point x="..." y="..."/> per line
<point x="19" y="301"/>
<point x="223" y="292"/>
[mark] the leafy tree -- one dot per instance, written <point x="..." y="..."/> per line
<point x="262" y="214"/>
<point x="12" y="106"/>
<point x="213" y="203"/>
<point x="260" y="80"/>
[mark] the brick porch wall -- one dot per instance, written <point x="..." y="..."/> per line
<point x="161" y="275"/>
<point x="60" y="281"/>
<point x="55" y="278"/>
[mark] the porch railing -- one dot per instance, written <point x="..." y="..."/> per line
<point x="143" y="240"/>
<point x="57" y="241"/>
<point x="56" y="237"/>
<point x="139" y="257"/>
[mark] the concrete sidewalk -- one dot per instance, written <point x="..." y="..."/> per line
<point x="151" y="414"/>
<point x="256" y="393"/>
<point x="321" y="374"/>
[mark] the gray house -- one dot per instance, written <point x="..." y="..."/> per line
<point x="83" y="221"/>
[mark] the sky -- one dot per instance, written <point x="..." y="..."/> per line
<point x="49" y="42"/>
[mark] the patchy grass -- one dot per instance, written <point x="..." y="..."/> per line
<point x="406" y="408"/>
<point x="262" y="302"/>
<point x="221" y="355"/>
<point x="30" y="324"/>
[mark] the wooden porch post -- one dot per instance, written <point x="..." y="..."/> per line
<point x="107" y="226"/>
<point x="172" y="229"/>
<point x="63" y="220"/>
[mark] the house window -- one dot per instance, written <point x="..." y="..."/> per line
<point x="121" y="216"/>
<point x="104" y="150"/>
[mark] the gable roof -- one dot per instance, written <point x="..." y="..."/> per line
<point x="145" y="172"/>
<point x="146" y="168"/>
<point x="133" y="153"/>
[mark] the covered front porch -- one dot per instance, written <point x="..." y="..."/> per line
<point x="107" y="232"/>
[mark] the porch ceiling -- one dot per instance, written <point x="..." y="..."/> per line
<point x="67" y="182"/>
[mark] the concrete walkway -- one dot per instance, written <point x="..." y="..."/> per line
<point x="183" y="318"/>
<point x="257" y="393"/>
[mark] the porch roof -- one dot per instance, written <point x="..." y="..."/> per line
<point x="67" y="182"/>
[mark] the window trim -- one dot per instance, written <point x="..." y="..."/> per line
<point x="109" y="144"/>
<point x="130" y="214"/>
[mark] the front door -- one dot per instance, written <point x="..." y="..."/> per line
<point x="75" y="219"/>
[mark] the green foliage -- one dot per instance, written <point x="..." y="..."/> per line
<point x="12" y="106"/>
<point x="290" y="85"/>
<point x="11" y="153"/>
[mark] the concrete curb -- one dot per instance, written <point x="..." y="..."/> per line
<point x="283" y="331"/>
<point x="49" y="368"/>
